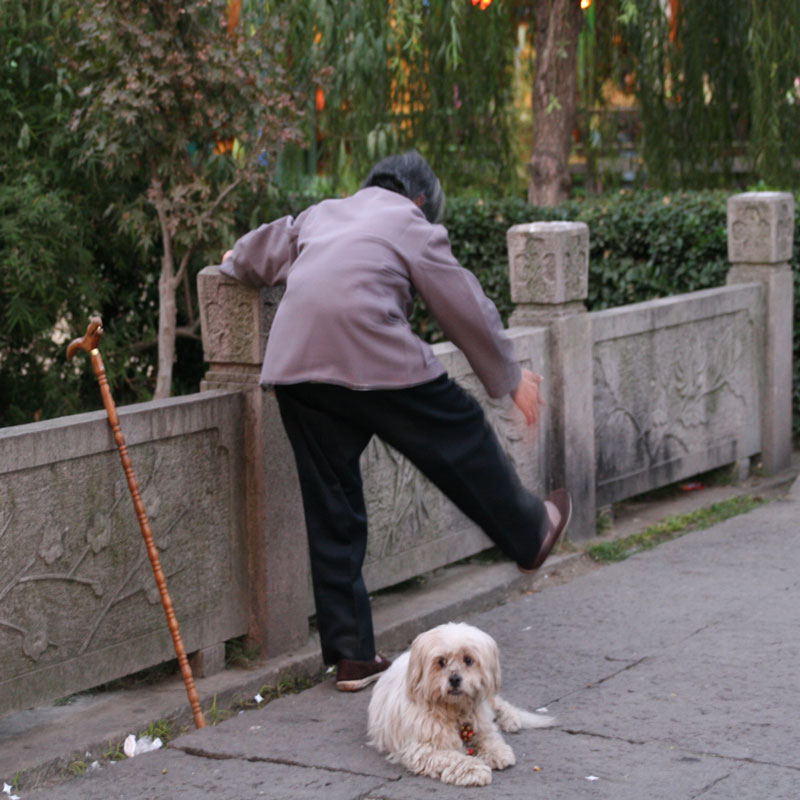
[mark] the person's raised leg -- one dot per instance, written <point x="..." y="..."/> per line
<point x="442" y="429"/>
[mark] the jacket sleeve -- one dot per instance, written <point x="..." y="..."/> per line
<point x="467" y="316"/>
<point x="263" y="256"/>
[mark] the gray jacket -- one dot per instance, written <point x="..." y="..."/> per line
<point x="351" y="267"/>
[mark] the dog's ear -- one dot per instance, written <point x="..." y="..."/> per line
<point x="489" y="656"/>
<point x="415" y="674"/>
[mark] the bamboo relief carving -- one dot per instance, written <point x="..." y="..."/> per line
<point x="400" y="500"/>
<point x="92" y="562"/>
<point x="691" y="377"/>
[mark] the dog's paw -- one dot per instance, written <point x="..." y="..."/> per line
<point x="467" y="771"/>
<point x="498" y="756"/>
<point x="509" y="720"/>
<point x="512" y="719"/>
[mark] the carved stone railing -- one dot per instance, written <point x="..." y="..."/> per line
<point x="676" y="388"/>
<point x="78" y="602"/>
<point x="647" y="394"/>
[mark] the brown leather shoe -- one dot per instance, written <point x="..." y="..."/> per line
<point x="563" y="502"/>
<point x="354" y="675"/>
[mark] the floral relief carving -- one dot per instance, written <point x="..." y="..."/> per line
<point x="52" y="547"/>
<point x="541" y="270"/>
<point x="6" y="512"/>
<point x="53" y="562"/>
<point x="577" y="270"/>
<point x="748" y="232"/>
<point x="761" y="230"/>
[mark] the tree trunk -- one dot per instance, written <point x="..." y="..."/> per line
<point x="167" y="304"/>
<point x="167" y="324"/>
<point x="555" y="99"/>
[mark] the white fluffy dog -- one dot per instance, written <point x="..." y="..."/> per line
<point x="436" y="710"/>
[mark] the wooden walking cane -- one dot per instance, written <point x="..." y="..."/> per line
<point x="90" y="342"/>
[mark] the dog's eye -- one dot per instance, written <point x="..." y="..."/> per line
<point x="468" y="660"/>
<point x="442" y="662"/>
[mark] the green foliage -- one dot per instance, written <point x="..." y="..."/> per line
<point x="45" y="260"/>
<point x="672" y="528"/>
<point x="432" y="74"/>
<point x="717" y="90"/>
<point x="643" y="244"/>
<point x="773" y="46"/>
<point x="164" y="729"/>
<point x="176" y="101"/>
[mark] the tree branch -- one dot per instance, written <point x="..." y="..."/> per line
<point x="200" y="222"/>
<point x="189" y="331"/>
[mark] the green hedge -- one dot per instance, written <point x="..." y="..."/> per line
<point x="643" y="245"/>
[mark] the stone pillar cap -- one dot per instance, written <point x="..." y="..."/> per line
<point x="760" y="227"/>
<point x="548" y="262"/>
<point x="553" y="226"/>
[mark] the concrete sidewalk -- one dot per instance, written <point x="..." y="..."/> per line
<point x="673" y="674"/>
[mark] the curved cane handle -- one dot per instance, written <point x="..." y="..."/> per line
<point x="89" y="341"/>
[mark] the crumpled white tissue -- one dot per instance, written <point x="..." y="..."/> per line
<point x="7" y="790"/>
<point x="135" y="747"/>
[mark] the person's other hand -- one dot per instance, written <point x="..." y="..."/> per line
<point x="227" y="255"/>
<point x="527" y="396"/>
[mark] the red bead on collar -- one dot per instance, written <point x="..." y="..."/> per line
<point x="467" y="734"/>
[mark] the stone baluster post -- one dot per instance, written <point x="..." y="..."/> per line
<point x="235" y="325"/>
<point x="760" y="236"/>
<point x="549" y="265"/>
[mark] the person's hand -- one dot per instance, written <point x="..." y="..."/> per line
<point x="227" y="255"/>
<point x="527" y="396"/>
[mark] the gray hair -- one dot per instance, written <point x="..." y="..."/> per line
<point x="410" y="174"/>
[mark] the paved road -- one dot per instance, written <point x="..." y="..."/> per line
<point x="674" y="674"/>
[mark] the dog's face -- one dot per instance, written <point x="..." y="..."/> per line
<point x="453" y="665"/>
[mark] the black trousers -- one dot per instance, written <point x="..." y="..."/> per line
<point x="442" y="430"/>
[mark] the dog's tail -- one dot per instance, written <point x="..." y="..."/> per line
<point x="511" y="719"/>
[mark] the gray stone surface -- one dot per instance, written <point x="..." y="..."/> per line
<point x="314" y="718"/>
<point x="672" y="675"/>
<point x="78" y="602"/>
<point x="777" y="283"/>
<point x="548" y="262"/>
<point x="760" y="238"/>
<point x="669" y="404"/>
<point x="172" y="775"/>
<point x="760" y="227"/>
<point x="236" y="321"/>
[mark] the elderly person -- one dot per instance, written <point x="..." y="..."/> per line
<point x="346" y="366"/>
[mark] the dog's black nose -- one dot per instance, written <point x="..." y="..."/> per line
<point x="455" y="680"/>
